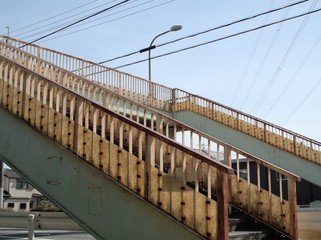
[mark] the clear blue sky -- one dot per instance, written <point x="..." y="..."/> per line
<point x="276" y="80"/>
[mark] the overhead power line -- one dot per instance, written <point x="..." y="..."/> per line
<point x="46" y="19"/>
<point x="256" y="44"/>
<point x="115" y="13"/>
<point x="314" y="87"/>
<point x="223" y="38"/>
<point x="31" y="34"/>
<point x="235" y="22"/>
<point x="289" y="83"/>
<point x="264" y="60"/>
<point x="282" y="63"/>
<point x="74" y="23"/>
<point x="25" y="19"/>
<point x="115" y="19"/>
<point x="213" y="29"/>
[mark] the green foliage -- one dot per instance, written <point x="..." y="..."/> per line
<point x="46" y="206"/>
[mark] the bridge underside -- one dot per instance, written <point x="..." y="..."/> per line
<point x="107" y="210"/>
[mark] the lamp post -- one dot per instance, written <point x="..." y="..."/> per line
<point x="151" y="46"/>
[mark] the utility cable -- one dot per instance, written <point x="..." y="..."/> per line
<point x="115" y="13"/>
<point x="55" y="22"/>
<point x="251" y="56"/>
<point x="289" y="83"/>
<point x="24" y="20"/>
<point x="223" y="38"/>
<point x="115" y="19"/>
<point x="78" y="25"/>
<point x="74" y="23"/>
<point x="314" y="87"/>
<point x="265" y="58"/>
<point x="46" y="19"/>
<point x="282" y="63"/>
<point x="235" y="22"/>
<point x="215" y="28"/>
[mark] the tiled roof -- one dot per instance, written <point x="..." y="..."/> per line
<point x="11" y="174"/>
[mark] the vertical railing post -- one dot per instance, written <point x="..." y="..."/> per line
<point x="294" y="146"/>
<point x="24" y="95"/>
<point x="121" y="84"/>
<point x="78" y="121"/>
<point x="149" y="163"/>
<point x="222" y="205"/>
<point x="238" y="121"/>
<point x="173" y="102"/>
<point x="292" y="207"/>
<point x="227" y="156"/>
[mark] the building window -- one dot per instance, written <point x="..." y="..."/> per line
<point x="10" y="205"/>
<point x="23" y="184"/>
<point x="31" y="205"/>
<point x="23" y="205"/>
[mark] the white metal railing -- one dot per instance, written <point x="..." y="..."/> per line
<point x="115" y="80"/>
<point x="277" y="136"/>
<point x="169" y="99"/>
<point x="119" y="103"/>
<point x="129" y="152"/>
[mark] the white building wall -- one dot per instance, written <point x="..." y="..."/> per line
<point x="21" y="199"/>
<point x="20" y="193"/>
<point x="17" y="205"/>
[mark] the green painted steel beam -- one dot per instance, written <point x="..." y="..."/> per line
<point x="99" y="204"/>
<point x="304" y="168"/>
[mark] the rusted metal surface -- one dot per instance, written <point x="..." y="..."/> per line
<point x="125" y="84"/>
<point x="279" y="137"/>
<point x="127" y="130"/>
<point x="172" y="99"/>
<point x="41" y="110"/>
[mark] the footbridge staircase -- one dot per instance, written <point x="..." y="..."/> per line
<point x="123" y="158"/>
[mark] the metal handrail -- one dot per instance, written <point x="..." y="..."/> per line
<point x="33" y="60"/>
<point x="168" y="99"/>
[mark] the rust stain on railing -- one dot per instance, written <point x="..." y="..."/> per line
<point x="281" y="138"/>
<point x="170" y="99"/>
<point x="286" y="223"/>
<point x="76" y="122"/>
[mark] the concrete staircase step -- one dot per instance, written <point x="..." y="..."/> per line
<point x="247" y="235"/>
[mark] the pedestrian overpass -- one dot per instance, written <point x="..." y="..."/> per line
<point x="123" y="156"/>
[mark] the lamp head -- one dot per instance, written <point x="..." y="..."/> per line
<point x="176" y="28"/>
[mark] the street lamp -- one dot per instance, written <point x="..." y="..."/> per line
<point x="151" y="46"/>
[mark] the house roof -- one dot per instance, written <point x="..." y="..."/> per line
<point x="11" y="174"/>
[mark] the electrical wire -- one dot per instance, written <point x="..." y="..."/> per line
<point x="46" y="19"/>
<point x="263" y="62"/>
<point x="81" y="20"/>
<point x="123" y="10"/>
<point x="270" y="84"/>
<point x="115" y="19"/>
<point x="251" y="56"/>
<point x="235" y="22"/>
<point x="23" y="20"/>
<point x="55" y="22"/>
<point x="314" y="87"/>
<point x="223" y="38"/>
<point x="307" y="56"/>
<point x="213" y="29"/>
